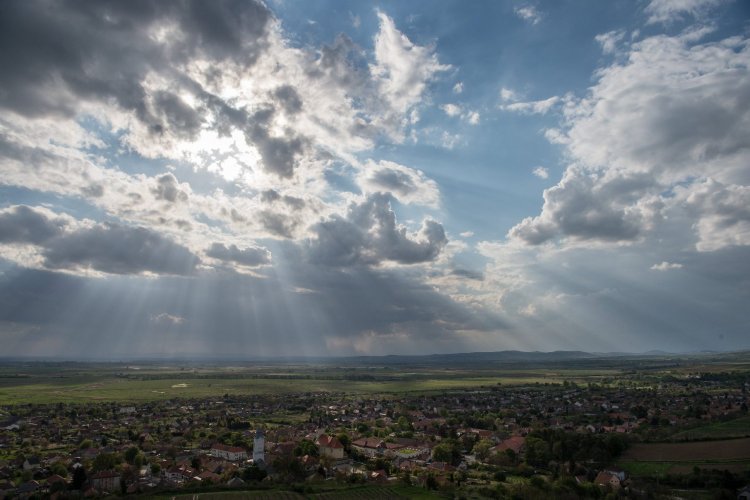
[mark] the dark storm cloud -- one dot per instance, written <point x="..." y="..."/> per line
<point x="117" y="249"/>
<point x="55" y="53"/>
<point x="22" y="224"/>
<point x="251" y="256"/>
<point x="245" y="315"/>
<point x="369" y="234"/>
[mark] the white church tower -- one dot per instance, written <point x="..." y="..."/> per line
<point x="259" y="447"/>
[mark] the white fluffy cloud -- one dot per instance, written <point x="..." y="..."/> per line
<point x="402" y="69"/>
<point x="666" y="120"/>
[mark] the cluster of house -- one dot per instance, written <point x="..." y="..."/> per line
<point x="184" y="442"/>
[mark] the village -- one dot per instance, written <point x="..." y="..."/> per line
<point x="442" y="441"/>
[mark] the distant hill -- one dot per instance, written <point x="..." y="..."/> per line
<point x="468" y="357"/>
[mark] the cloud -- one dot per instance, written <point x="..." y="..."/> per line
<point x="402" y="69"/>
<point x="541" y="172"/>
<point x="117" y="249"/>
<point x="458" y="88"/>
<point x="369" y="234"/>
<point x="651" y="131"/>
<point x="584" y="207"/>
<point x="508" y="95"/>
<point x="405" y="184"/>
<point x="609" y="40"/>
<point x="23" y="224"/>
<point x="167" y="319"/>
<point x="168" y="189"/>
<point x="665" y="266"/>
<point x="669" y="11"/>
<point x="250" y="257"/>
<point x="721" y="212"/>
<point x="528" y="13"/>
<point x="472" y="117"/>
<point x="49" y="51"/>
<point x="531" y="107"/>
<point x="451" y="109"/>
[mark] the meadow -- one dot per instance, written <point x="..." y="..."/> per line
<point x="656" y="459"/>
<point x="79" y="383"/>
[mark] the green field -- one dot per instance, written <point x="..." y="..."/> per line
<point x="74" y="382"/>
<point x="125" y="390"/>
<point x="657" y="459"/>
<point x="367" y="492"/>
<point x="739" y="427"/>
<point x="80" y="383"/>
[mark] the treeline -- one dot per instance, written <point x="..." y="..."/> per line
<point x="546" y="445"/>
<point x="266" y="376"/>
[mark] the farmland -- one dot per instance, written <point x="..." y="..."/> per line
<point x="656" y="459"/>
<point x="71" y="382"/>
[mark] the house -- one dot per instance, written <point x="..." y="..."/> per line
<point x="744" y="493"/>
<point x="231" y="453"/>
<point x="27" y="489"/>
<point x="106" y="480"/>
<point x="207" y="475"/>
<point x="369" y="446"/>
<point x="330" y="446"/>
<point x="379" y="476"/>
<point x="605" y="478"/>
<point x="180" y="474"/>
<point x="31" y="463"/>
<point x="620" y="473"/>
<point x="235" y="482"/>
<point x="515" y="443"/>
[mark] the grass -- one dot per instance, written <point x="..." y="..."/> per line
<point x="658" y="459"/>
<point x="361" y="492"/>
<point x="739" y="427"/>
<point x="74" y="389"/>
<point x="698" y="451"/>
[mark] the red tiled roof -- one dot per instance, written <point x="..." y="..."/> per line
<point x="229" y="449"/>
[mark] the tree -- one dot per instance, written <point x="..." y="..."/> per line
<point x="306" y="447"/>
<point x="131" y="453"/>
<point x="105" y="461"/>
<point x="79" y="478"/>
<point x="482" y="449"/>
<point x="345" y="440"/>
<point x="254" y="473"/>
<point x="59" y="469"/>
<point x="404" y="424"/>
<point x="447" y="451"/>
<point x="431" y="482"/>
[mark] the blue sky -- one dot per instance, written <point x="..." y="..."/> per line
<point x="238" y="179"/>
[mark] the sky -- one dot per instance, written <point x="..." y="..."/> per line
<point x="235" y="179"/>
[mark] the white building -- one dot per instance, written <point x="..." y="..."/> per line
<point x="259" y="447"/>
<point x="231" y="453"/>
